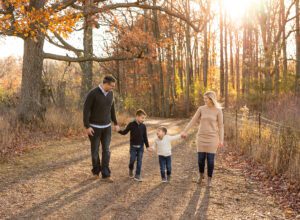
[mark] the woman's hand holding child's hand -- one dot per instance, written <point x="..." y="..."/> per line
<point x="183" y="135"/>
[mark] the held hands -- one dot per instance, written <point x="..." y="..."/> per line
<point x="150" y="149"/>
<point x="221" y="144"/>
<point x="117" y="128"/>
<point x="183" y="135"/>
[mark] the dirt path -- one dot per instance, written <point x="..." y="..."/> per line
<point x="53" y="182"/>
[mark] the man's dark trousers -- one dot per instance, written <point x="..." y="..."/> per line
<point x="103" y="136"/>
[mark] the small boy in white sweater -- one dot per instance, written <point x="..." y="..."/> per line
<point x="163" y="146"/>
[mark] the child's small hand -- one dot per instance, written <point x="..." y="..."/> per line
<point x="149" y="149"/>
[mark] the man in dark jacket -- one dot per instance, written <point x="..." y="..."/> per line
<point x="98" y="113"/>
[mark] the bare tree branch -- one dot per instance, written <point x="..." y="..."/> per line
<point x="66" y="44"/>
<point x="62" y="5"/>
<point x="84" y="59"/>
<point x="106" y="8"/>
<point x="62" y="46"/>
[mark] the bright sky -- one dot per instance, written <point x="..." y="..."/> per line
<point x="13" y="46"/>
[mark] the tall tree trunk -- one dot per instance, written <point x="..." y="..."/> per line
<point x="153" y="98"/>
<point x="226" y="61"/>
<point x="245" y="63"/>
<point x="267" y="71"/>
<point x="173" y="81"/>
<point x="266" y="36"/>
<point x="87" y="67"/>
<point x="30" y="108"/>
<point x="284" y="55"/>
<point x="156" y="33"/>
<point x="277" y="57"/>
<point x="196" y="59"/>
<point x="61" y="94"/>
<point x="237" y="65"/>
<point x="205" y="56"/>
<point x="171" y="77"/>
<point x="180" y="60"/>
<point x="257" y="69"/>
<point x="222" y="91"/>
<point x="277" y="71"/>
<point x="251" y="60"/>
<point x="188" y="67"/>
<point x="161" y="83"/>
<point x="297" y="81"/>
<point x="231" y="60"/>
<point x="168" y="81"/>
<point x="169" y="71"/>
<point x="118" y="77"/>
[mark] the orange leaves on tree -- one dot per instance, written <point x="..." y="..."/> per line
<point x="27" y="21"/>
<point x="136" y="41"/>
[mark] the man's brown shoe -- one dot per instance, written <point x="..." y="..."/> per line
<point x="95" y="177"/>
<point x="108" y="179"/>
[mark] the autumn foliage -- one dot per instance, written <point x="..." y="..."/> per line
<point x="24" y="20"/>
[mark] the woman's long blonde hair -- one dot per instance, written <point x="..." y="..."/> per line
<point x="213" y="97"/>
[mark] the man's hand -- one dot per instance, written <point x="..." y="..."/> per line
<point x="117" y="128"/>
<point x="90" y="131"/>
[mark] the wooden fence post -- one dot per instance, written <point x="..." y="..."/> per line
<point x="259" y="127"/>
<point x="236" y="127"/>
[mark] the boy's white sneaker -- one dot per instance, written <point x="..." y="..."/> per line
<point x="164" y="180"/>
<point x="209" y="184"/>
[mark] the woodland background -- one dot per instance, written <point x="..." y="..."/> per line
<point x="164" y="55"/>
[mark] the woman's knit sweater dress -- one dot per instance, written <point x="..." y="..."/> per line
<point x="211" y="128"/>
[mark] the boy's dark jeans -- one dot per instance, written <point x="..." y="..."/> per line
<point x="165" y="162"/>
<point x="102" y="135"/>
<point x="210" y="162"/>
<point x="136" y="154"/>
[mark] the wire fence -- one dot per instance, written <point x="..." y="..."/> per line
<point x="273" y="143"/>
<point x="256" y="120"/>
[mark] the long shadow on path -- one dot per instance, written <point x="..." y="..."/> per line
<point x="197" y="208"/>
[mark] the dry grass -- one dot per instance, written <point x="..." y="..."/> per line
<point x="15" y="137"/>
<point x="277" y="149"/>
<point x="284" y="109"/>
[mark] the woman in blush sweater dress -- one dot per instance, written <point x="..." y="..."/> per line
<point x="210" y="134"/>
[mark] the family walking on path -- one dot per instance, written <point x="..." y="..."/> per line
<point x="99" y="113"/>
